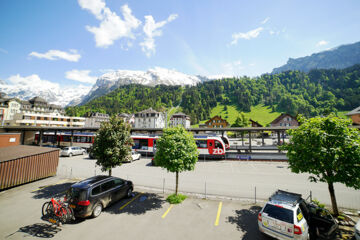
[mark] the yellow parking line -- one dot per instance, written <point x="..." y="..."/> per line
<point x="218" y="214"/>
<point x="167" y="211"/>
<point x="123" y="206"/>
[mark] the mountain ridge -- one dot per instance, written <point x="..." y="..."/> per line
<point x="339" y="57"/>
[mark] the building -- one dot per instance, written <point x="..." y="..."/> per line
<point x="95" y="119"/>
<point x="8" y="108"/>
<point x="217" y="122"/>
<point x="179" y="119"/>
<point x="255" y="124"/>
<point x="37" y="112"/>
<point x="354" y="115"/>
<point x="284" y="120"/>
<point x="129" y="118"/>
<point x="149" y="118"/>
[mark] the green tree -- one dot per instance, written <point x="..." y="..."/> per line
<point x="241" y="121"/>
<point x="112" y="145"/>
<point x="327" y="149"/>
<point x="176" y="151"/>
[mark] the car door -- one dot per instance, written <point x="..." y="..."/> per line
<point x="106" y="192"/>
<point x="120" y="190"/>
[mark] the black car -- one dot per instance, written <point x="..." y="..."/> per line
<point x="90" y="196"/>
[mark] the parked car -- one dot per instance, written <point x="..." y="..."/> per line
<point x="357" y="230"/>
<point x="90" y="196"/>
<point x="135" y="155"/>
<point x="71" y="151"/>
<point x="287" y="215"/>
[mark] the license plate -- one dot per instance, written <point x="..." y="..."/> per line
<point x="52" y="220"/>
<point x="72" y="206"/>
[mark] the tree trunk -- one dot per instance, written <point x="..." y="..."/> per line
<point x="177" y="183"/>
<point x="110" y="172"/>
<point x="333" y="199"/>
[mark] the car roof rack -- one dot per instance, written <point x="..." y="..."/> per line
<point x="286" y="197"/>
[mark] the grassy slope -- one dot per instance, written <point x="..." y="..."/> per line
<point x="258" y="113"/>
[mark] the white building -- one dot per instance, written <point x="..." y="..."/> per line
<point x="46" y="119"/>
<point x="180" y="119"/>
<point x="95" y="119"/>
<point x="149" y="119"/>
<point x="129" y="118"/>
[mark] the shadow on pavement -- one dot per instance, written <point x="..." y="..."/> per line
<point x="140" y="205"/>
<point x="41" y="230"/>
<point x="246" y="222"/>
<point x="47" y="192"/>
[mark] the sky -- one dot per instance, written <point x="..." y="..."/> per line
<point x="72" y="42"/>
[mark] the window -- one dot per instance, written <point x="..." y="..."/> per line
<point x="96" y="190"/>
<point x="280" y="124"/>
<point x="107" y="186"/>
<point x="118" y="182"/>
<point x="281" y="214"/>
<point x="201" y="143"/>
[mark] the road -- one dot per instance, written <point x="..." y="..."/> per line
<point x="230" y="179"/>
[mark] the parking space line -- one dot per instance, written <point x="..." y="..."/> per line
<point x="218" y="214"/>
<point x="123" y="206"/>
<point x="167" y="211"/>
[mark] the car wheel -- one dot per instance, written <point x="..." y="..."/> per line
<point x="70" y="155"/>
<point x="97" y="210"/>
<point x="129" y="193"/>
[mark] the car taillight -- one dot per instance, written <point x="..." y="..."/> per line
<point x="259" y="217"/>
<point x="84" y="203"/>
<point x="297" y="230"/>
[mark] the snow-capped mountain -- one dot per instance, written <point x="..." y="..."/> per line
<point x="152" y="77"/>
<point x="26" y="88"/>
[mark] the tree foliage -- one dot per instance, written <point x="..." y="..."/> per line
<point x="176" y="151"/>
<point x="316" y="93"/>
<point x="327" y="149"/>
<point x="112" y="145"/>
<point x="241" y="121"/>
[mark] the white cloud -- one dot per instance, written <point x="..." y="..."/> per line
<point x="265" y="20"/>
<point x="232" y="68"/>
<point x="322" y="43"/>
<point x="248" y="35"/>
<point x="111" y="27"/>
<point x="3" y="51"/>
<point x="71" y="56"/>
<point x="80" y="76"/>
<point x="152" y="29"/>
<point x="33" y="80"/>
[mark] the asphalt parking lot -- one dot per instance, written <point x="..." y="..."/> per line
<point x="144" y="216"/>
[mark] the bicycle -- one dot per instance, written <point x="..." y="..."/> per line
<point x="57" y="211"/>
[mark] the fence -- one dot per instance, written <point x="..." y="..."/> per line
<point x="207" y="188"/>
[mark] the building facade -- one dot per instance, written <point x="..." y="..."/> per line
<point x="149" y="118"/>
<point x="129" y="118"/>
<point x="95" y="119"/>
<point x="217" y="122"/>
<point x="354" y="115"/>
<point x="179" y="119"/>
<point x="284" y="120"/>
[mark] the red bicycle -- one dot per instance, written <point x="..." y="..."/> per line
<point x="57" y="211"/>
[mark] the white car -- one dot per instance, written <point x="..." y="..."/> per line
<point x="135" y="155"/>
<point x="71" y="151"/>
<point x="357" y="230"/>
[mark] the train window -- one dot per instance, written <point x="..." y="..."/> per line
<point x="218" y="144"/>
<point x="66" y="138"/>
<point x="83" y="139"/>
<point x="140" y="144"/>
<point x="201" y="143"/>
<point x="210" y="144"/>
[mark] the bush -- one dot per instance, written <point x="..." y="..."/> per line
<point x="175" y="199"/>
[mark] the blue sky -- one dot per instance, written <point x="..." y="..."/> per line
<point x="72" y="42"/>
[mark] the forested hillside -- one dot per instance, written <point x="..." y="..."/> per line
<point x="318" y="92"/>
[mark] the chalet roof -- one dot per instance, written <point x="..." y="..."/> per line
<point x="353" y="112"/>
<point x="255" y="122"/>
<point x="150" y="110"/>
<point x="281" y="117"/>
<point x="219" y="117"/>
<point x="24" y="102"/>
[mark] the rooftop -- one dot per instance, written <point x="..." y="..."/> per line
<point x="20" y="151"/>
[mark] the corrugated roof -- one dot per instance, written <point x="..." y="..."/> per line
<point x="15" y="152"/>
<point x="353" y="112"/>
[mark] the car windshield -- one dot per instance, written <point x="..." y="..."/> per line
<point x="76" y="193"/>
<point x="279" y="213"/>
